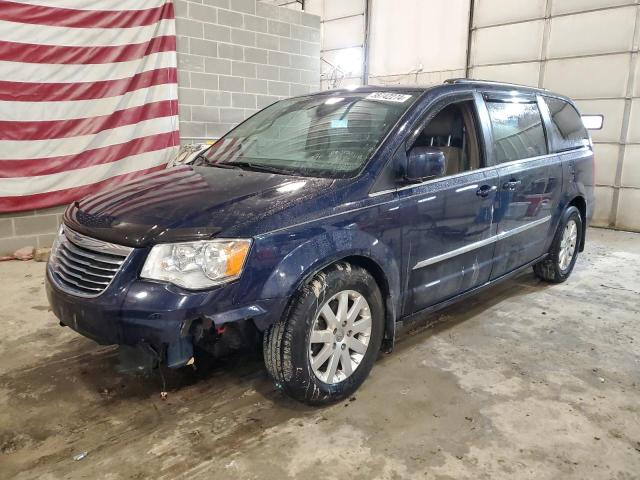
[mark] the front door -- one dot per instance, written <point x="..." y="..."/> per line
<point x="447" y="241"/>
<point x="530" y="182"/>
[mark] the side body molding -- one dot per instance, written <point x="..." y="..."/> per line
<point x="481" y="243"/>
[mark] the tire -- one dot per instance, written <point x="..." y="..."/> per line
<point x="288" y="348"/>
<point x="558" y="265"/>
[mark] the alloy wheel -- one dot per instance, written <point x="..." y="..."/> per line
<point x="340" y="336"/>
<point x="568" y="245"/>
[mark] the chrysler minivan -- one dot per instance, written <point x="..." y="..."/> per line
<point x="323" y="222"/>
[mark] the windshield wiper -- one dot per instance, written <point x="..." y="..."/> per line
<point x="230" y="166"/>
<point x="261" y="168"/>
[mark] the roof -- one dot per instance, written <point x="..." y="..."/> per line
<point x="381" y="88"/>
<point x="459" y="82"/>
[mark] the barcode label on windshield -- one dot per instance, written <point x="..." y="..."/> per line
<point x="388" y="97"/>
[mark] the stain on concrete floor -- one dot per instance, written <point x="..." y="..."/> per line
<point x="525" y="381"/>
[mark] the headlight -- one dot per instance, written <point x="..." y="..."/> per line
<point x="197" y="265"/>
<point x="56" y="243"/>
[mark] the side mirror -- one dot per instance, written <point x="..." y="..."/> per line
<point x="424" y="163"/>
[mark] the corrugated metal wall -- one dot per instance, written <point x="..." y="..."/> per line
<point x="587" y="49"/>
<point x="414" y="41"/>
<point x="409" y="41"/>
<point x="343" y="40"/>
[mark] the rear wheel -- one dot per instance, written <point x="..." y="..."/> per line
<point x="563" y="252"/>
<point x="326" y="343"/>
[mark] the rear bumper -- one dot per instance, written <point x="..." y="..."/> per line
<point x="156" y="314"/>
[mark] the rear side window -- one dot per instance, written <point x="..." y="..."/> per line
<point x="567" y="130"/>
<point x="517" y="130"/>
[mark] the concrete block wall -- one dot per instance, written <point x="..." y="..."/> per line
<point x="34" y="228"/>
<point x="343" y="38"/>
<point x="587" y="49"/>
<point x="238" y="56"/>
<point x="234" y="57"/>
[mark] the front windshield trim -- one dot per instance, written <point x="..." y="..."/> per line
<point x="336" y="174"/>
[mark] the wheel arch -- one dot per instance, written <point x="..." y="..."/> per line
<point x="580" y="203"/>
<point x="359" y="248"/>
<point x="379" y="275"/>
<point x="381" y="279"/>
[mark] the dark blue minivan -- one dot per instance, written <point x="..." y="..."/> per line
<point x="323" y="222"/>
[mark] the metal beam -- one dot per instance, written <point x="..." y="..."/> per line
<point x="366" y="42"/>
<point x="469" y="38"/>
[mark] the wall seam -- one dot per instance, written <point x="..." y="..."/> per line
<point x="559" y="15"/>
<point x="552" y="59"/>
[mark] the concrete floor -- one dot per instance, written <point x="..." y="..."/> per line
<point x="524" y="381"/>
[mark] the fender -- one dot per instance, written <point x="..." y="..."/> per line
<point x="324" y="249"/>
<point x="578" y="185"/>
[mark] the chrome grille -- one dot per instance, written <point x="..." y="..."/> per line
<point x="84" y="266"/>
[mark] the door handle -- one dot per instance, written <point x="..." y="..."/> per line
<point x="511" y="184"/>
<point x="485" y="190"/>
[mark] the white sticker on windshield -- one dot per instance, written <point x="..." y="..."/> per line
<point x="388" y="97"/>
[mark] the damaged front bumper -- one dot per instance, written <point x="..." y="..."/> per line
<point x="156" y="316"/>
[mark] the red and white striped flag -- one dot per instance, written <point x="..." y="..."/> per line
<point x="88" y="97"/>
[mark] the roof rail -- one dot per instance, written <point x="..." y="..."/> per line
<point x="490" y="82"/>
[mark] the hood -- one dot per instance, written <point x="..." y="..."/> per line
<point x="188" y="203"/>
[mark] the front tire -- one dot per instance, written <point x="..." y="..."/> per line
<point x="327" y="341"/>
<point x="563" y="252"/>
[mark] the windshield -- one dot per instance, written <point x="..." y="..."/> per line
<point x="322" y="135"/>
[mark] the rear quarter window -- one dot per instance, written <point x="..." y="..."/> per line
<point x="566" y="129"/>
<point x="517" y="130"/>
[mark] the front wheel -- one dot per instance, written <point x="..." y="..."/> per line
<point x="563" y="252"/>
<point x="328" y="339"/>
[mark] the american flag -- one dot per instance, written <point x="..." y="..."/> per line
<point x="88" y="97"/>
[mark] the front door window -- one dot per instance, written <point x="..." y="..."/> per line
<point x="453" y="132"/>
